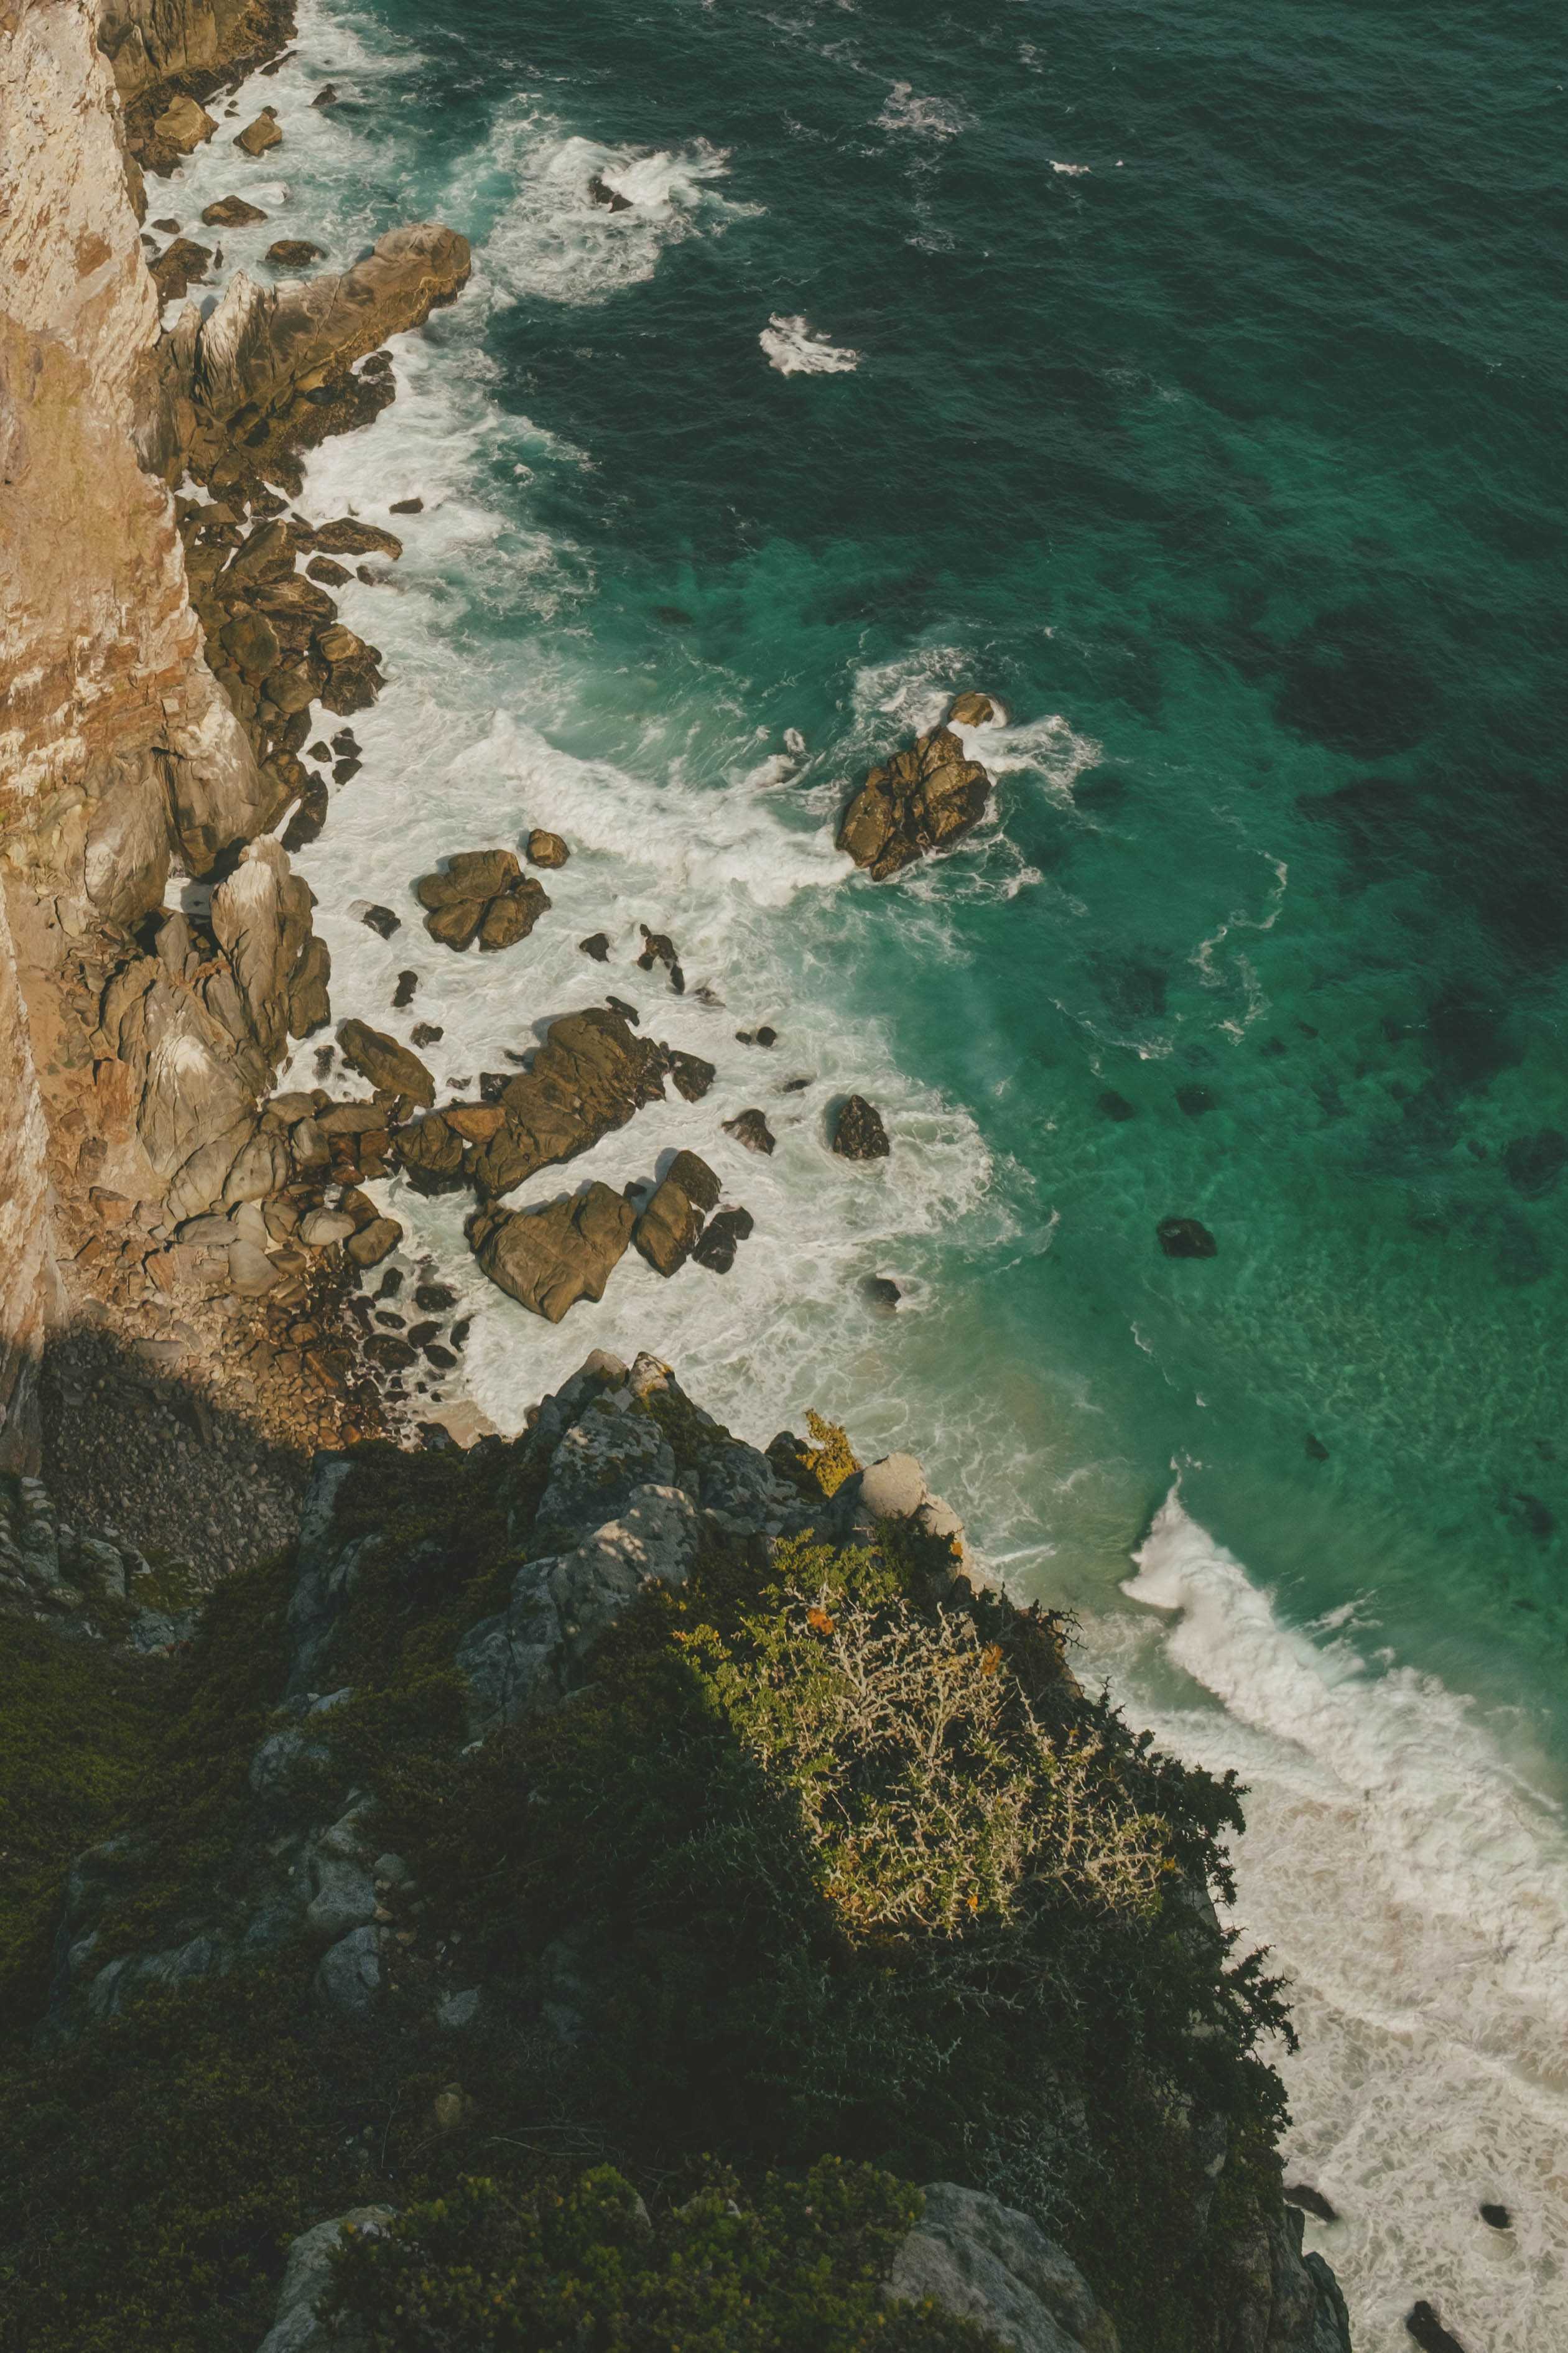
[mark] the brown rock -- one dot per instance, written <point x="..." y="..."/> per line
<point x="385" y="1064"/>
<point x="184" y="125"/>
<point x="591" y="1075"/>
<point x="475" y="1123"/>
<point x="431" y="1155"/>
<point x="596" y="945"/>
<point x="179" y="265"/>
<point x="374" y="1243"/>
<point x="470" y="874"/>
<point x="258" y="136"/>
<point x="971" y="710"/>
<point x="549" y="1258"/>
<point x="750" y="1128"/>
<point x="295" y="252"/>
<point x="329" y="575"/>
<point x="925" y="799"/>
<point x="406" y="506"/>
<point x="667" y="1231"/>
<point x="349" y="536"/>
<point x="251" y="643"/>
<point x="858" y="1132"/>
<point x="455" y="925"/>
<point x="231" y="212"/>
<point x="546" y="849"/>
<point x="691" y="1075"/>
<point x="512" y="916"/>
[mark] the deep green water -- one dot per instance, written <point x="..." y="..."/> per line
<point x="1231" y="461"/>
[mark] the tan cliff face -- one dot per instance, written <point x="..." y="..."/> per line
<point x="116" y="745"/>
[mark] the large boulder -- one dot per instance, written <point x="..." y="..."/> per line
<point x="667" y="1230"/>
<point x="591" y="1074"/>
<point x="924" y="799"/>
<point x="260" y="342"/>
<point x="385" y="1064"/>
<point x="481" y="895"/>
<point x="306" y="2276"/>
<point x="549" y="1258"/>
<point x="993" y="2264"/>
<point x="858" y="1132"/>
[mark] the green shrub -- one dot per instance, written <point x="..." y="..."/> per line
<point x="796" y="2268"/>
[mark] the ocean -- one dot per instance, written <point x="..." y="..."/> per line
<point x="1190" y="383"/>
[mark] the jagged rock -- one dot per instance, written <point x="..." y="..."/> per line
<point x="349" y="536"/>
<point x="328" y="574"/>
<point x="385" y="1064"/>
<point x="924" y="799"/>
<point x="294" y="252"/>
<point x="752" y="1129"/>
<point x="349" y="1976"/>
<point x="531" y="1656"/>
<point x="971" y="710"/>
<point x="993" y="2264"/>
<point x="321" y="1227"/>
<point x="549" y="1258"/>
<point x="259" y="343"/>
<point x="232" y="212"/>
<point x="589" y="1076"/>
<point x="721" y="1237"/>
<point x="858" y="1132"/>
<point x="184" y="263"/>
<point x="601" y="192"/>
<point x="690" y="1074"/>
<point x="667" y="1230"/>
<point x="1185" y="1238"/>
<point x="376" y="918"/>
<point x="432" y="1156"/>
<point x="597" y="946"/>
<point x="657" y="947"/>
<point x="546" y="849"/>
<point x="1310" y="2201"/>
<point x="184" y="125"/>
<point x="258" y="136"/>
<point x="406" y="506"/>
<point x="306" y="2278"/>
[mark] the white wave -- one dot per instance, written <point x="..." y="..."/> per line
<point x="928" y="118"/>
<point x="1412" y="1881"/>
<point x="551" y="238"/>
<point x="796" y="347"/>
<point x="1073" y="171"/>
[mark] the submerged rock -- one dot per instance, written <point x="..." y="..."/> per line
<point x="1185" y="1238"/>
<point x="231" y="212"/>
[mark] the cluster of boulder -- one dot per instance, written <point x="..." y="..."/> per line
<point x="922" y="800"/>
<point x="481" y="895"/>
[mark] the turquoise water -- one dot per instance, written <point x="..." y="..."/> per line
<point x="1196" y="392"/>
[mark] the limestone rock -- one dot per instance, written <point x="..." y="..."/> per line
<point x="993" y="2264"/>
<point x="549" y="1258"/>
<point x="924" y="799"/>
<point x="385" y="1062"/>
<point x="258" y="136"/>
<point x="532" y="1655"/>
<point x="306" y="2277"/>
<point x="858" y="1132"/>
<point x="184" y="124"/>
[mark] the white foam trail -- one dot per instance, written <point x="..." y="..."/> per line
<point x="553" y="239"/>
<point x="1073" y="171"/>
<point x="1413" y="1885"/>
<point x="796" y="347"/>
<point x="927" y="118"/>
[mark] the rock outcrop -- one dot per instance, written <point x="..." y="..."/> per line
<point x="592" y="1073"/>
<point x="481" y="895"/>
<point x="991" y="2264"/>
<point x="923" y="800"/>
<point x="549" y="1258"/>
<point x="858" y="1132"/>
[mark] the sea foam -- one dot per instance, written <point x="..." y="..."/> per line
<point x="796" y="347"/>
<point x="1411" y="1880"/>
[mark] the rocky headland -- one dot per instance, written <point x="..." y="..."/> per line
<point x="615" y="1856"/>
